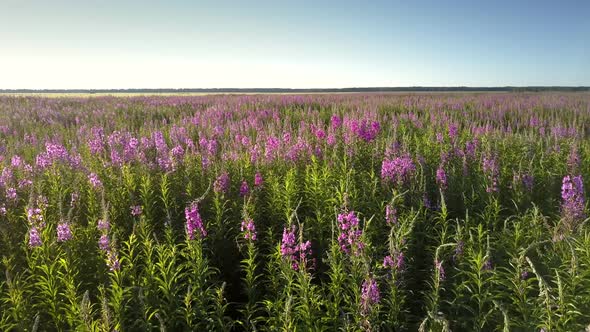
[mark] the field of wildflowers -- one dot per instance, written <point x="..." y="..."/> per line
<point x="428" y="212"/>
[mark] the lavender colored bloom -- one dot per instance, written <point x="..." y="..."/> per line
<point x="487" y="265"/>
<point x="370" y="295"/>
<point x="490" y="168"/>
<point x="94" y="180"/>
<point x="298" y="255"/>
<point x="453" y="131"/>
<point x="136" y="210"/>
<point x="573" y="160"/>
<point x="221" y="184"/>
<point x="34" y="238"/>
<point x="395" y="261"/>
<point x="24" y="183"/>
<point x="441" y="178"/>
<point x="390" y="215"/>
<point x="104" y="242"/>
<point x="524" y="275"/>
<point x="35" y="216"/>
<point x="194" y="223"/>
<point x="177" y="152"/>
<point x="349" y="238"/>
<point x="573" y="200"/>
<point x="336" y="121"/>
<point x="397" y="170"/>
<point x="113" y="261"/>
<point x="258" y="180"/>
<point x="244" y="189"/>
<point x="249" y="229"/>
<point x="16" y="161"/>
<point x="3" y="210"/>
<point x="103" y="225"/>
<point x="43" y="160"/>
<point x="527" y="182"/>
<point x="11" y="194"/>
<point x="63" y="232"/>
<point x="288" y="242"/>
<point x="366" y="131"/>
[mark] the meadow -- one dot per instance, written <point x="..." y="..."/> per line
<point x="352" y="212"/>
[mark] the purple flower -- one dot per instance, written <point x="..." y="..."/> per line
<point x="490" y="168"/>
<point x="35" y="216"/>
<point x="113" y="261"/>
<point x="390" y="215"/>
<point x="194" y="223"/>
<point x="3" y="210"/>
<point x="397" y="170"/>
<point x="34" y="238"/>
<point x="136" y="210"/>
<point x="94" y="180"/>
<point x="395" y="261"/>
<point x="288" y="243"/>
<point x="258" y="181"/>
<point x="527" y="182"/>
<point x="103" y="225"/>
<point x="63" y="232"/>
<point x="244" y="189"/>
<point x="365" y="130"/>
<point x="349" y="238"/>
<point x="221" y="184"/>
<point x="370" y="295"/>
<point x="336" y="121"/>
<point x="103" y="242"/>
<point x="16" y="161"/>
<point x="249" y="229"/>
<point x="11" y="194"/>
<point x="573" y="160"/>
<point x="573" y="200"/>
<point x="441" y="178"/>
<point x="297" y="254"/>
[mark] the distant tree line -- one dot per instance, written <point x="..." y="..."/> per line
<point x="327" y="90"/>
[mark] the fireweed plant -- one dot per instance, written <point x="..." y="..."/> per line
<point x="353" y="212"/>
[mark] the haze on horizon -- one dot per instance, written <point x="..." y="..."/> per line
<point x="266" y="44"/>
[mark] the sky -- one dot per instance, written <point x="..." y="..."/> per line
<point x="292" y="44"/>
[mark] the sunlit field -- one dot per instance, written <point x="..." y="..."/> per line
<point x="374" y="212"/>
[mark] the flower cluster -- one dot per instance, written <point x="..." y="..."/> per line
<point x="490" y="168"/>
<point x="394" y="261"/>
<point x="441" y="178"/>
<point x="244" y="189"/>
<point x="397" y="170"/>
<point x="370" y="295"/>
<point x="194" y="223"/>
<point x="249" y="229"/>
<point x="136" y="210"/>
<point x="390" y="215"/>
<point x="104" y="226"/>
<point x="94" y="180"/>
<point x="64" y="232"/>
<point x="221" y="184"/>
<point x="573" y="200"/>
<point x="298" y="254"/>
<point x="350" y="235"/>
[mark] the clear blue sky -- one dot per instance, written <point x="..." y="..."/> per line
<point x="299" y="44"/>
